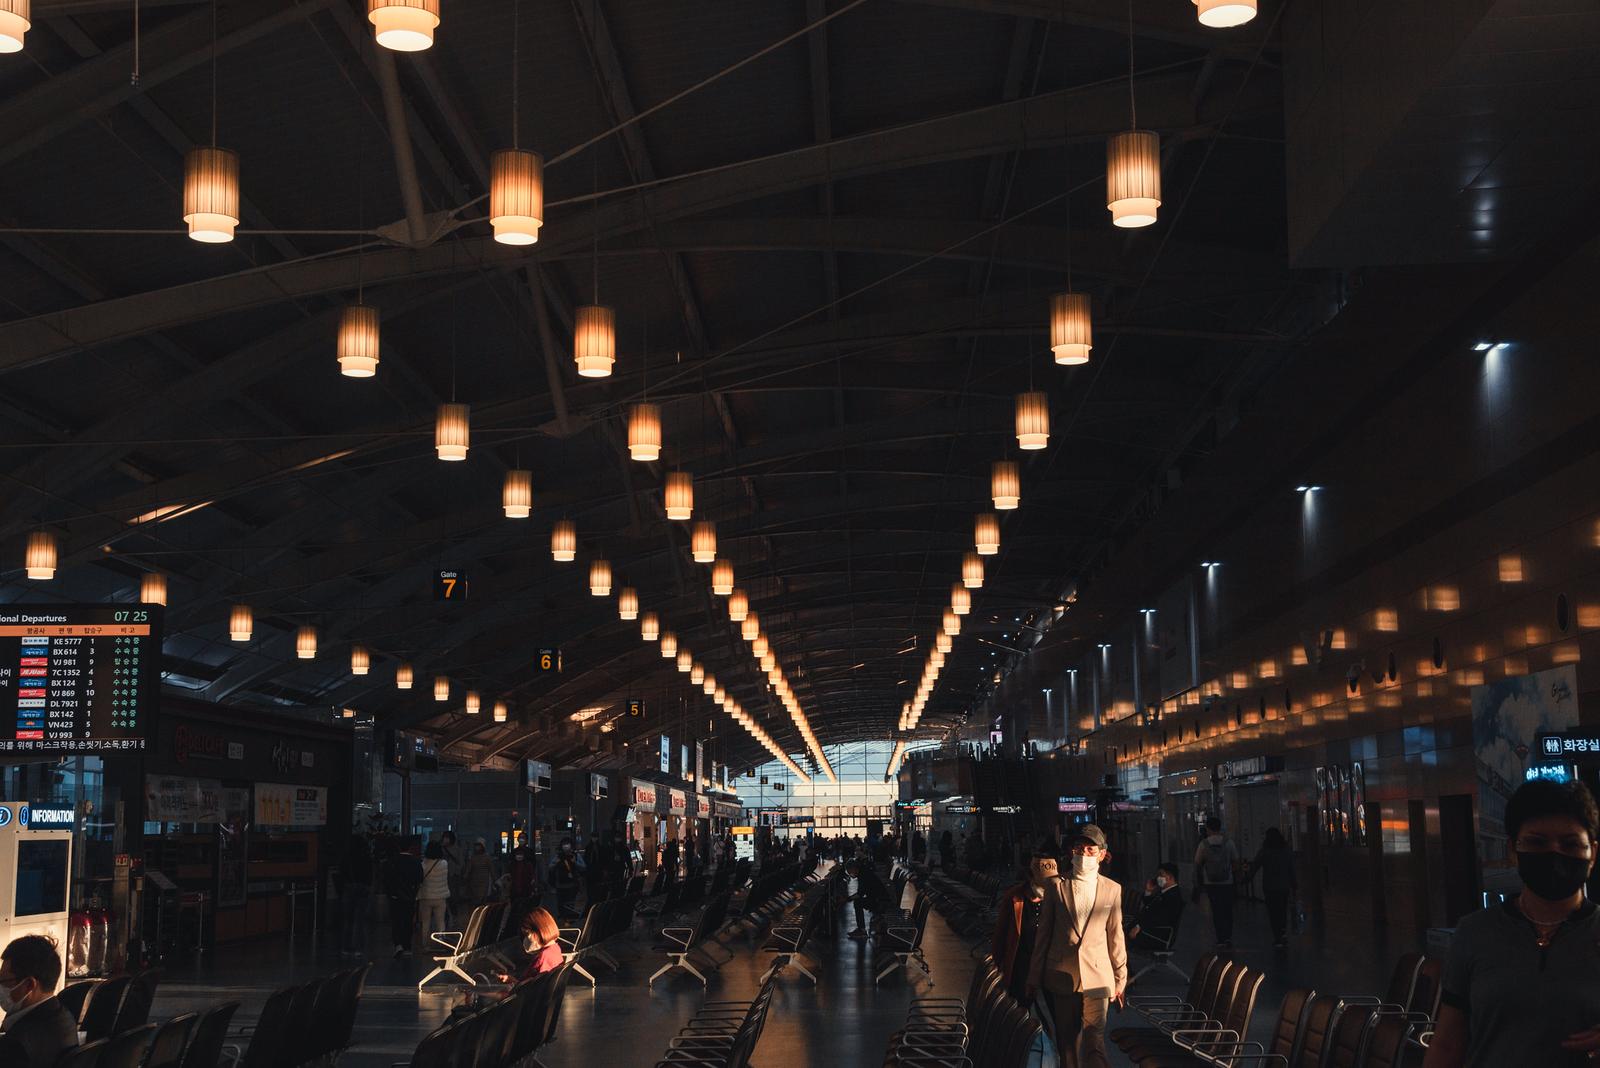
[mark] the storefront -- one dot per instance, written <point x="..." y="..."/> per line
<point x="643" y="842"/>
<point x="672" y="807"/>
<point x="1187" y="798"/>
<point x="703" y="845"/>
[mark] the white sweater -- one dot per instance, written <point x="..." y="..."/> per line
<point x="435" y="879"/>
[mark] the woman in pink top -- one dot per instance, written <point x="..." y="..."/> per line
<point x="541" y="940"/>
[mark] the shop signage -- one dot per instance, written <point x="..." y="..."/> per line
<point x="1073" y="803"/>
<point x="742" y="830"/>
<point x="190" y="743"/>
<point x="699" y="763"/>
<point x="285" y="805"/>
<point x="47" y="816"/>
<point x="1557" y="746"/>
<point x="598" y="788"/>
<point x="178" y="799"/>
<point x="677" y="802"/>
<point x="1189" y="781"/>
<point x="644" y="795"/>
<point x="666" y="755"/>
<point x="702" y="807"/>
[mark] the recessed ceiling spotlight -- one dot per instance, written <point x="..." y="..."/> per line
<point x="1307" y="488"/>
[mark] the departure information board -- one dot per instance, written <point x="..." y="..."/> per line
<point x="78" y="678"/>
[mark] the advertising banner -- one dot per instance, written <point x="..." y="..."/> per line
<point x="283" y="805"/>
<point x="179" y="799"/>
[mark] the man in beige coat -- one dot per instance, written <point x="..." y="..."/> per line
<point x="1080" y="962"/>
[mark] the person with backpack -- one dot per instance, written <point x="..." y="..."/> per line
<point x="1217" y="860"/>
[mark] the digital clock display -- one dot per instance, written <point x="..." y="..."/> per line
<point x="78" y="678"/>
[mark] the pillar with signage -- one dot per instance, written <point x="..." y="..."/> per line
<point x="642" y="841"/>
<point x="35" y="867"/>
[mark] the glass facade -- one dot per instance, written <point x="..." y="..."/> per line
<point x="773" y="795"/>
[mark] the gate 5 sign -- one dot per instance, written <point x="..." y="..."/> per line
<point x="636" y="707"/>
<point x="449" y="584"/>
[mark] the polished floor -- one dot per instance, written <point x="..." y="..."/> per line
<point x="845" y="1021"/>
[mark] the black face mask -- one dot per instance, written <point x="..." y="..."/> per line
<point x="1552" y="876"/>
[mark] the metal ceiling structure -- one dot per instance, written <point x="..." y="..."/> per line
<point x="830" y="231"/>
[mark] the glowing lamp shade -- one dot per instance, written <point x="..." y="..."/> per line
<point x="951" y="623"/>
<point x="709" y="687"/>
<point x="358" y="341"/>
<point x="564" y="541"/>
<point x="972" y="571"/>
<point x="516" y="196"/>
<point x="679" y="495"/>
<point x="760" y="646"/>
<point x="628" y="603"/>
<point x="600" y="578"/>
<point x="360" y="660"/>
<point x="986" y="534"/>
<point x="441" y="688"/>
<point x="768" y="662"/>
<point x="685" y="661"/>
<point x="404" y="25"/>
<point x="1033" y="421"/>
<point x="1133" y="177"/>
<point x="650" y="626"/>
<point x="403" y="676"/>
<point x="1005" y="485"/>
<point x="516" y="494"/>
<point x="704" y="543"/>
<point x="153" y="588"/>
<point x="305" y="643"/>
<point x="452" y="431"/>
<point x="1071" y="329"/>
<point x="210" y="194"/>
<point x="1223" y="14"/>
<point x="750" y="629"/>
<point x="738" y="606"/>
<point x="501" y="712"/>
<point x="960" y="600"/>
<point x="594" y="340"/>
<point x="474" y="703"/>
<point x="644" y="432"/>
<point x="722" y="578"/>
<point x="669" y="645"/>
<point x="943" y="642"/>
<point x="697" y="675"/>
<point x="241" y="622"/>
<point x="14" y="15"/>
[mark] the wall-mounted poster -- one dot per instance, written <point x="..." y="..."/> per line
<point x="180" y="799"/>
<point x="282" y="805"/>
<point x="1342" y="804"/>
<point x="1507" y="719"/>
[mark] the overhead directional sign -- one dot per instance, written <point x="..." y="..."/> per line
<point x="449" y="584"/>
<point x="549" y="659"/>
<point x="636" y="707"/>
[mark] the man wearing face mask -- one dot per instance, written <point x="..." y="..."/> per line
<point x="37" y="1028"/>
<point x="1522" y="982"/>
<point x="1016" y="925"/>
<point x="1080" y="961"/>
<point x="1159" y="911"/>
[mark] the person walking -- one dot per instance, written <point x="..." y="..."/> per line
<point x="566" y="874"/>
<point x="1016" y="925"/>
<point x="1216" y="859"/>
<point x="1080" y="958"/>
<point x="1275" y="862"/>
<point x="356" y="870"/>
<point x="402" y="875"/>
<point x="456" y="858"/>
<point x="434" y="893"/>
<point x="478" y="879"/>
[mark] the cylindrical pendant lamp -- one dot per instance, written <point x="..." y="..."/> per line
<point x="1071" y="328"/>
<point x="943" y="642"/>
<point x="704" y="542"/>
<point x="650" y="626"/>
<point x="564" y="541"/>
<point x="750" y="629"/>
<point x="685" y="661"/>
<point x="722" y="578"/>
<point x="516" y="495"/>
<point x="358" y="343"/>
<point x="594" y="340"/>
<point x="669" y="645"/>
<point x="679" y="495"/>
<point x="960" y="600"/>
<point x="40" y="557"/>
<point x="644" y="432"/>
<point x="628" y="603"/>
<point x="501" y="712"/>
<point x="1033" y="420"/>
<point x="760" y="645"/>
<point x="360" y="660"/>
<point x="972" y="571"/>
<point x="305" y="643"/>
<point x="404" y="25"/>
<point x="986" y="533"/>
<point x="441" y="688"/>
<point x="452" y="431"/>
<point x="1005" y="484"/>
<point x="474" y="703"/>
<point x="211" y="194"/>
<point x="600" y="578"/>
<point x="241" y="622"/>
<point x="516" y="196"/>
<point x="1220" y="14"/>
<point x="1133" y="177"/>
<point x="15" y="22"/>
<point x="697" y="675"/>
<point x="153" y="588"/>
<point x="402" y="676"/>
<point x="738" y="606"/>
<point x="710" y="685"/>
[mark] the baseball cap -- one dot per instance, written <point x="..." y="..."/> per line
<point x="1090" y="833"/>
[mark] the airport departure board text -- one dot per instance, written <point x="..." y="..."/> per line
<point x="78" y="678"/>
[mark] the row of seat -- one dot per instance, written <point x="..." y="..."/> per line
<point x="485" y="928"/>
<point x="113" y="1015"/>
<point x="687" y="945"/>
<point x="899" y="945"/>
<point x="789" y="935"/>
<point x="503" y="1032"/>
<point x="584" y="945"/>
<point x="1213" y="1017"/>
<point x="989" y="1029"/>
<point x="302" y="1025"/>
<point x="110" y="1006"/>
<point x="964" y="897"/>
<point x="723" y="1034"/>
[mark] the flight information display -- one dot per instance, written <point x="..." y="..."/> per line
<point x="78" y="678"/>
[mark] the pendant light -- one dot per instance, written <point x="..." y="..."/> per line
<point x="704" y="542"/>
<point x="722" y="578"/>
<point x="441" y="688"/>
<point x="697" y="675"/>
<point x="768" y="662"/>
<point x="1071" y="328"/>
<point x="452" y="431"/>
<point x="669" y="645"/>
<point x="516" y="196"/>
<point x="210" y="174"/>
<point x="685" y="661"/>
<point x="628" y="603"/>
<point x="972" y="571"/>
<point x="738" y="606"/>
<point x="564" y="541"/>
<point x="644" y="432"/>
<point x="40" y="557"/>
<point x="750" y="629"/>
<point x="1220" y="14"/>
<point x="241" y="621"/>
<point x="600" y="578"/>
<point x="650" y="626"/>
<point x="305" y="643"/>
<point x="360" y="660"/>
<point x="402" y="676"/>
<point x="679" y="495"/>
<point x="358" y="342"/>
<point x="153" y="588"/>
<point x="709" y="686"/>
<point x="1133" y="163"/>
<point x="952" y="623"/>
<point x="594" y="331"/>
<point x="404" y="25"/>
<point x="516" y="495"/>
<point x="960" y="600"/>
<point x="1005" y="485"/>
<point x="14" y="23"/>
<point x="943" y="642"/>
<point x="1033" y="421"/>
<point x="474" y="703"/>
<point x="760" y="646"/>
<point x="986" y="534"/>
<point x="501" y="712"/>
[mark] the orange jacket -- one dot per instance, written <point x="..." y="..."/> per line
<point x="1008" y="928"/>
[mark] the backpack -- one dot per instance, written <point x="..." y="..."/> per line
<point x="1215" y="867"/>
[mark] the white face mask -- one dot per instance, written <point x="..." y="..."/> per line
<point x="1082" y="865"/>
<point x="531" y="944"/>
<point x="9" y="1004"/>
<point x="1162" y="882"/>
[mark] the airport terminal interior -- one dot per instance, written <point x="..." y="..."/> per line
<point x="819" y="533"/>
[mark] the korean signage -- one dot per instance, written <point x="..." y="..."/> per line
<point x="699" y="764"/>
<point x="179" y="799"/>
<point x="1072" y="804"/>
<point x="677" y="802"/>
<point x="702" y="807"/>
<point x="284" y="805"/>
<point x="666" y="755"/>
<point x="1572" y="743"/>
<point x="644" y="795"/>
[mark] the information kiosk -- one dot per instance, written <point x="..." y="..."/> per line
<point x="35" y="861"/>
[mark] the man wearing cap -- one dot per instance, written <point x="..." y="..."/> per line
<point x="1080" y="962"/>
